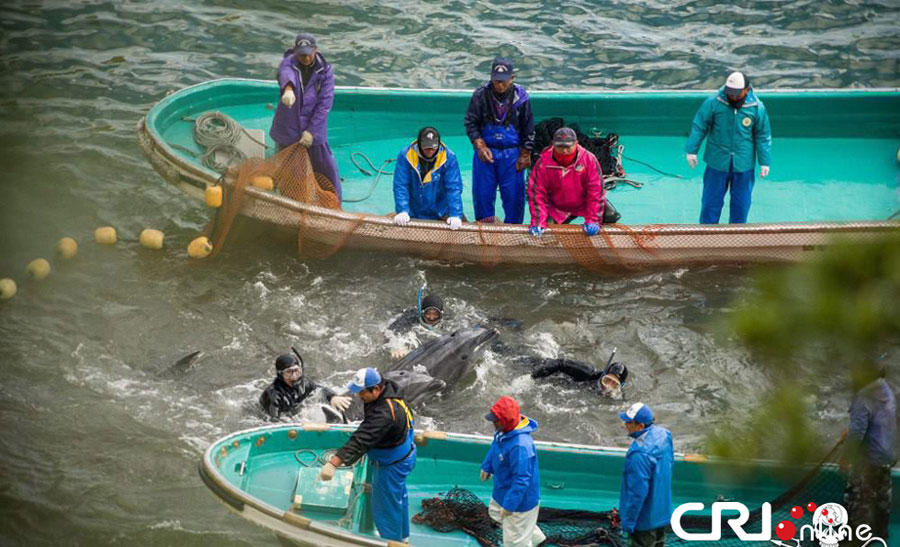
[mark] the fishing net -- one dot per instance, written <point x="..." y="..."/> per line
<point x="460" y="509"/>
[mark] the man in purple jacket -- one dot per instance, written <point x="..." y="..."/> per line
<point x="306" y="81"/>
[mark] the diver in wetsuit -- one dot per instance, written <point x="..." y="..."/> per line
<point x="609" y="381"/>
<point x="291" y="387"/>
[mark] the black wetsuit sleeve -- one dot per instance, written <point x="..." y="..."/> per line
<point x="370" y="432"/>
<point x="577" y="370"/>
<point x="405" y="322"/>
<point x="268" y="400"/>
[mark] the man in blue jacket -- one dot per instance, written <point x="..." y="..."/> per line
<point x="427" y="182"/>
<point x="512" y="461"/>
<point x="645" y="501"/>
<point x="500" y="124"/>
<point x="737" y="125"/>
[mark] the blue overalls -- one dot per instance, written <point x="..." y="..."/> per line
<point x="390" y="467"/>
<point x="503" y="140"/>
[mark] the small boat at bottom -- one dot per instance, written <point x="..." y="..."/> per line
<point x="268" y="476"/>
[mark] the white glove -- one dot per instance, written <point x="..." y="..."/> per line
<point x="306" y="139"/>
<point x="763" y="171"/>
<point x="327" y="472"/>
<point x="340" y="403"/>
<point x="692" y="160"/>
<point x="401" y="219"/>
<point x="399" y="353"/>
<point x="454" y="222"/>
<point x="288" y="98"/>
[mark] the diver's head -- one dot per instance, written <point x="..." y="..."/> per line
<point x="431" y="311"/>
<point x="612" y="381"/>
<point x="288" y="367"/>
<point x="428" y="142"/>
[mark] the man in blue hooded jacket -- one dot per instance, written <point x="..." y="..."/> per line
<point x="512" y="461"/>
<point x="427" y="182"/>
<point x="500" y="124"/>
<point x="645" y="501"/>
<point x="736" y="125"/>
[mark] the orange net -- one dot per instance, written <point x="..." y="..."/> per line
<point x="285" y="191"/>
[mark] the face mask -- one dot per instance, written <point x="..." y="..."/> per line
<point x="610" y="387"/>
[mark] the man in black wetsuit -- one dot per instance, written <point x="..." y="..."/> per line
<point x="291" y="387"/>
<point x="609" y="381"/>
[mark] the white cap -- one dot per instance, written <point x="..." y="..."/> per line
<point x="735" y="81"/>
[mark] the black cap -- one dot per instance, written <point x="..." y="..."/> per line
<point x="305" y="43"/>
<point x="502" y="69"/>
<point x="429" y="138"/>
<point x="620" y="370"/>
<point x="432" y="301"/>
<point x="565" y="136"/>
<point x="284" y="361"/>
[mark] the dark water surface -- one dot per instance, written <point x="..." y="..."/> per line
<point x="98" y="446"/>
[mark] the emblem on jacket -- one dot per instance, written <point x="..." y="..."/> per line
<point x="747" y="122"/>
<point x="579" y="168"/>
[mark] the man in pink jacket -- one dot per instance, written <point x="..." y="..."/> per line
<point x="566" y="183"/>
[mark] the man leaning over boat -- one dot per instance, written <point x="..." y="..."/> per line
<point x="306" y="81"/>
<point x="427" y="182"/>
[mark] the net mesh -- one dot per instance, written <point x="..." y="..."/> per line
<point x="305" y="202"/>
<point x="460" y="509"/>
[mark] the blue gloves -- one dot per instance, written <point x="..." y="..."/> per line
<point x="536" y="231"/>
<point x="591" y="228"/>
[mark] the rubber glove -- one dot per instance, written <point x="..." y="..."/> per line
<point x="399" y="353"/>
<point x="288" y="98"/>
<point x="327" y="472"/>
<point x="536" y="231"/>
<point x="485" y="476"/>
<point x="401" y="219"/>
<point x="504" y="513"/>
<point x="483" y="151"/>
<point x="524" y="161"/>
<point x="692" y="160"/>
<point x="591" y="228"/>
<point x="454" y="222"/>
<point x="306" y="139"/>
<point x="763" y="171"/>
<point x="339" y="403"/>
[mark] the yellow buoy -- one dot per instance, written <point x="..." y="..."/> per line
<point x="199" y="248"/>
<point x="7" y="288"/>
<point x="105" y="235"/>
<point x="263" y="182"/>
<point x="67" y="247"/>
<point x="152" y="239"/>
<point x="39" y="268"/>
<point x="213" y="196"/>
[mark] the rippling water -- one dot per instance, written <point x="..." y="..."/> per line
<point x="99" y="446"/>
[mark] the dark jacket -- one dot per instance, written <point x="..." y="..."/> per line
<point x="873" y="424"/>
<point x="280" y="398"/>
<point x="384" y="426"/>
<point x="480" y="113"/>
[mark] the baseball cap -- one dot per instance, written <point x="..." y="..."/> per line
<point x="429" y="138"/>
<point x="502" y="69"/>
<point x="564" y="136"/>
<point x="364" y="379"/>
<point x="305" y="43"/>
<point x="735" y="83"/>
<point x="638" y="412"/>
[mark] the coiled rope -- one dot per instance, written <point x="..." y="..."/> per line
<point x="219" y="134"/>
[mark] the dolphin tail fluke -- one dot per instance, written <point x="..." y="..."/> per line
<point x="332" y="416"/>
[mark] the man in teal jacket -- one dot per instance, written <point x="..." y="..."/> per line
<point x="737" y="125"/>
<point x="645" y="501"/>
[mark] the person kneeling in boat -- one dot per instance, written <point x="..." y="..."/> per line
<point x="291" y="387"/>
<point x="427" y="182"/>
<point x="566" y="182"/>
<point x="609" y="381"/>
<point x="305" y="76"/>
<point x="386" y="435"/>
<point x="512" y="462"/>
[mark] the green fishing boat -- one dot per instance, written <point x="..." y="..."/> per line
<point x="835" y="171"/>
<point x="268" y="476"/>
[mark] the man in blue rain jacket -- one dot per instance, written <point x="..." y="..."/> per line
<point x="736" y="127"/>
<point x="500" y="124"/>
<point x="427" y="182"/>
<point x="645" y="501"/>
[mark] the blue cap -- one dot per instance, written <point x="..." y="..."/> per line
<point x="638" y="412"/>
<point x="502" y="69"/>
<point x="305" y="43"/>
<point x="364" y="379"/>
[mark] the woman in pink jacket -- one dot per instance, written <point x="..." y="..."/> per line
<point x="566" y="182"/>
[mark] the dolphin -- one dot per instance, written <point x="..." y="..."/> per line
<point x="429" y="369"/>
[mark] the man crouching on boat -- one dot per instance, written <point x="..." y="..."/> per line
<point x="427" y="182"/>
<point x="512" y="461"/>
<point x="291" y="387"/>
<point x="306" y="81"/>
<point x="386" y="434"/>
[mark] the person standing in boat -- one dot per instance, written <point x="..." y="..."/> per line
<point x="500" y="124"/>
<point x="566" y="183"/>
<point x="386" y="435"/>
<point x="291" y="387"/>
<point x="306" y="82"/>
<point x="645" y="500"/>
<point x="512" y="462"/>
<point x="736" y="125"/>
<point x="427" y="182"/>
